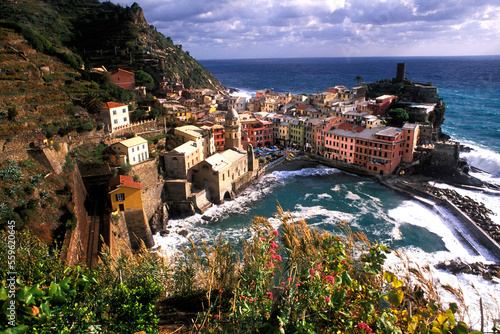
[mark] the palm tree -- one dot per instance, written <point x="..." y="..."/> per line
<point x="358" y="79"/>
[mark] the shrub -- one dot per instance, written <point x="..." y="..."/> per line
<point x="125" y="168"/>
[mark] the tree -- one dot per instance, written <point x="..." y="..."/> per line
<point x="144" y="79"/>
<point x="398" y="116"/>
<point x="92" y="102"/>
<point x="358" y="79"/>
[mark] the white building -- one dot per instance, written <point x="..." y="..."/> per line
<point x="114" y="115"/>
<point x="135" y="149"/>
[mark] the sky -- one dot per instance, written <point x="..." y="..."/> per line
<point x="233" y="29"/>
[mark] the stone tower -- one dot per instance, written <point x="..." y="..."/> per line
<point x="232" y="130"/>
<point x="401" y="72"/>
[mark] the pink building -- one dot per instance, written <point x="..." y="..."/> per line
<point x="381" y="105"/>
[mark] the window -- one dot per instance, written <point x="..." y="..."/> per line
<point x="115" y="121"/>
<point x="114" y="112"/>
<point x="124" y="119"/>
<point x="120" y="197"/>
<point x="124" y="110"/>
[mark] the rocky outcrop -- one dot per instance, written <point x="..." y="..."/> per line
<point x="457" y="266"/>
<point x="478" y="212"/>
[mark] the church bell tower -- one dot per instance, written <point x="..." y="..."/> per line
<point x="232" y="130"/>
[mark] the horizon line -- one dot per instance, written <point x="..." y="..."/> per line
<point x="357" y="57"/>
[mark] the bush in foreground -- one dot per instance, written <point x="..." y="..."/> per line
<point x="295" y="280"/>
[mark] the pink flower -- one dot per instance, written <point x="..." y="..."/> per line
<point x="364" y="327"/>
<point x="216" y="316"/>
<point x="270" y="265"/>
<point x="289" y="279"/>
<point x="243" y="297"/>
<point x="327" y="299"/>
<point x="312" y="271"/>
<point x="330" y="278"/>
<point x="270" y="295"/>
<point x="263" y="239"/>
<point x="273" y="245"/>
<point x="272" y="251"/>
<point x="283" y="283"/>
<point x="220" y="291"/>
<point x="344" y="261"/>
<point x="276" y="233"/>
<point x="268" y="315"/>
<point x="277" y="257"/>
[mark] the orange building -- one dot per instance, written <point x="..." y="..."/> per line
<point x="124" y="79"/>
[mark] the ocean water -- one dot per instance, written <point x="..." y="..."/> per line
<point x="325" y="196"/>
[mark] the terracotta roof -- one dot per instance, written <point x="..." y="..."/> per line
<point x="120" y="70"/>
<point x="303" y="107"/>
<point x="109" y="105"/>
<point x="123" y="181"/>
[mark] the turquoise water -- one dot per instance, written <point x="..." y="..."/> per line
<point x="323" y="197"/>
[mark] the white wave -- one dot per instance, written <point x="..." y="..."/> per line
<point x="353" y="196"/>
<point x="243" y="93"/>
<point x="484" y="159"/>
<point x="336" y="188"/>
<point x="308" y="212"/>
<point x="319" y="171"/>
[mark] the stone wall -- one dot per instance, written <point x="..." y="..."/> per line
<point x="135" y="128"/>
<point x="147" y="172"/>
<point x="445" y="156"/>
<point x="177" y="190"/>
<point x="152" y="198"/>
<point x="201" y="201"/>
<point x="76" y="251"/>
<point x="119" y="237"/>
<point x="138" y="228"/>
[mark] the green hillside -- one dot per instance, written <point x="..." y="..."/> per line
<point x="103" y="34"/>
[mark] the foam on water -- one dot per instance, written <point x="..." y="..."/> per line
<point x="484" y="159"/>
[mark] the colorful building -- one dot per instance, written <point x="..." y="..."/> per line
<point x="134" y="150"/>
<point x="114" y="115"/>
<point x="124" y="193"/>
<point x="123" y="79"/>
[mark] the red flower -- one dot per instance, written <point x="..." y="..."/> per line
<point x="330" y="278"/>
<point x="276" y="233"/>
<point x="270" y="295"/>
<point x="344" y="261"/>
<point x="273" y="245"/>
<point x="270" y="265"/>
<point x="277" y="257"/>
<point x="312" y="271"/>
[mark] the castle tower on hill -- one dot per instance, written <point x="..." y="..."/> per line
<point x="232" y="130"/>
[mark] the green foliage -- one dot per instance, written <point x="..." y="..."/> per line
<point x="398" y="116"/>
<point x="117" y="297"/>
<point x="125" y="168"/>
<point x="85" y="127"/>
<point x="12" y="172"/>
<point x="144" y="79"/>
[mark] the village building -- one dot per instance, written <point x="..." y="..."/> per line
<point x="124" y="193"/>
<point x="123" y="79"/>
<point x="381" y="105"/>
<point x="132" y="151"/>
<point x="202" y="136"/>
<point x="180" y="161"/>
<point x="255" y="131"/>
<point x="114" y="116"/>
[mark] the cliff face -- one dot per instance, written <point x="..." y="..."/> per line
<point x="105" y="34"/>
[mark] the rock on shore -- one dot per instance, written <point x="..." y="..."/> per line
<point x="457" y="266"/>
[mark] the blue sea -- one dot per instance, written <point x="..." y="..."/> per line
<point x="470" y="87"/>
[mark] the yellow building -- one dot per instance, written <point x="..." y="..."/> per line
<point x="125" y="194"/>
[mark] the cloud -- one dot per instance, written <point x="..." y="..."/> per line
<point x="294" y="28"/>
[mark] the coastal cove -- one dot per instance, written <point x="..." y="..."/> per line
<point x="325" y="196"/>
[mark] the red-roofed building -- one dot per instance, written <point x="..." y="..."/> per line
<point x="125" y="194"/>
<point x="381" y="105"/>
<point x="123" y="79"/>
<point x="114" y="115"/>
